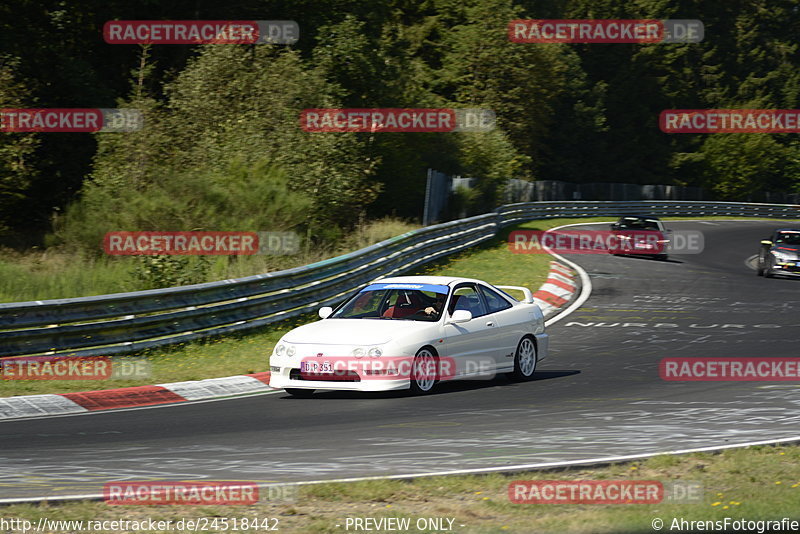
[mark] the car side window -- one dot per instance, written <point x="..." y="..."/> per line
<point x="466" y="298"/>
<point x="494" y="301"/>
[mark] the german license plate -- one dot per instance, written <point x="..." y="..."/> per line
<point x="316" y="367"/>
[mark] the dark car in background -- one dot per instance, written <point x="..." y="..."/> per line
<point x="780" y="254"/>
<point x="640" y="235"/>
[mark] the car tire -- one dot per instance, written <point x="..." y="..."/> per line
<point x="299" y="392"/>
<point x="424" y="371"/>
<point x="759" y="270"/>
<point x="768" y="269"/>
<point x="525" y="360"/>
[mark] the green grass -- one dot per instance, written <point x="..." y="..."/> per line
<point x="58" y="273"/>
<point x="37" y="275"/>
<point x="756" y="483"/>
<point x="195" y="361"/>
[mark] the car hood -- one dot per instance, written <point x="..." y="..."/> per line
<point x="354" y="331"/>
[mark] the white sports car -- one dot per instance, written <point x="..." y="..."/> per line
<point x="412" y="332"/>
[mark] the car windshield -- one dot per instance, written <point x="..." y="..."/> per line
<point x="637" y="224"/>
<point x="788" y="238"/>
<point x="407" y="302"/>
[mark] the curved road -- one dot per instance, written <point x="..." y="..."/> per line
<point x="599" y="394"/>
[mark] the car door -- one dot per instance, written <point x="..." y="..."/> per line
<point x="506" y="327"/>
<point x="471" y="344"/>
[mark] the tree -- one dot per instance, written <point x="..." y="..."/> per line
<point x="17" y="164"/>
<point x="232" y="107"/>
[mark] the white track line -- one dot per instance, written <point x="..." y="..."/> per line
<point x="749" y="262"/>
<point x="586" y="283"/>
<point x="589" y="462"/>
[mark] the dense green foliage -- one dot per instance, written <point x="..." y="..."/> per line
<point x="223" y="149"/>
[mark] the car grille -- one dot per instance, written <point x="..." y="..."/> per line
<point x="336" y="376"/>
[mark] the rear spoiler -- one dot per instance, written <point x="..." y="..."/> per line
<point x="527" y="292"/>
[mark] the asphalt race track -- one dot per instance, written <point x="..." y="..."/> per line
<point x="599" y="394"/>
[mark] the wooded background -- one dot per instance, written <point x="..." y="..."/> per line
<point x="222" y="148"/>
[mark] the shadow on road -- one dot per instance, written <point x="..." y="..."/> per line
<point x="646" y="257"/>
<point x="441" y="389"/>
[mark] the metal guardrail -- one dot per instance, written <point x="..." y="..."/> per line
<point x="130" y="322"/>
<point x="516" y="213"/>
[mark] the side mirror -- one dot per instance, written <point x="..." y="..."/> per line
<point x="766" y="242"/>
<point x="460" y="316"/>
<point x="325" y="312"/>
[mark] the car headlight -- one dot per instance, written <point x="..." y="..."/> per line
<point x="280" y="350"/>
<point x="781" y="256"/>
<point x="291" y="350"/>
<point x="360" y="352"/>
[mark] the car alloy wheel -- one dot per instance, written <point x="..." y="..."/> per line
<point x="524" y="360"/>
<point x="423" y="371"/>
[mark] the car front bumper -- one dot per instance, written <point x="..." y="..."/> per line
<point x="282" y="377"/>
<point x="789" y="268"/>
<point x="285" y="373"/>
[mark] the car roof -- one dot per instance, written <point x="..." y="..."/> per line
<point x="436" y="280"/>
<point x="797" y="230"/>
